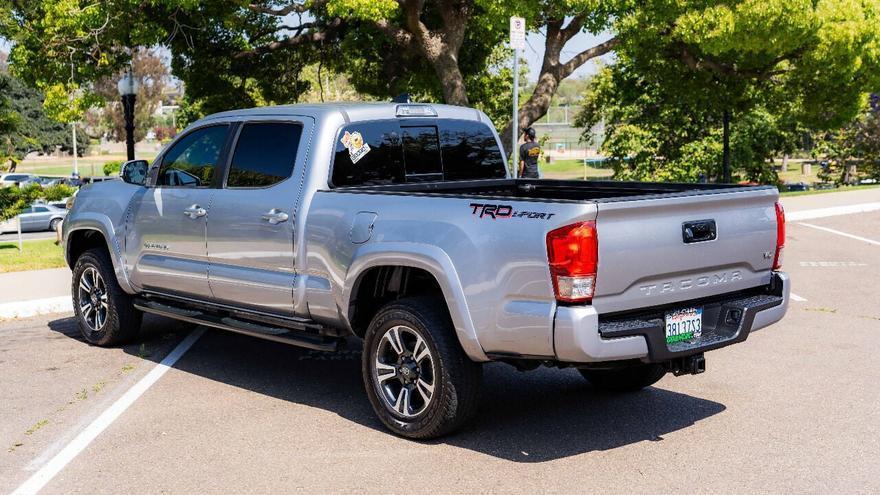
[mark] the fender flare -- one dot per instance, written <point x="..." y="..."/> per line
<point x="102" y="225"/>
<point x="434" y="261"/>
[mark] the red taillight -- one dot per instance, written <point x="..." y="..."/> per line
<point x="780" y="236"/>
<point x="573" y="252"/>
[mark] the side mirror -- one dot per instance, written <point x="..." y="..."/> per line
<point x="135" y="172"/>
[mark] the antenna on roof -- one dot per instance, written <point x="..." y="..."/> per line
<point x="402" y="98"/>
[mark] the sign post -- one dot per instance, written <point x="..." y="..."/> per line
<point x="517" y="42"/>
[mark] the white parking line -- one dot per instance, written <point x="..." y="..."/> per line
<point x="796" y="298"/>
<point x="795" y="216"/>
<point x="36" y="482"/>
<point x="844" y="234"/>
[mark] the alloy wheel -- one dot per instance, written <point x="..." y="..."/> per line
<point x="404" y="371"/>
<point x="93" y="299"/>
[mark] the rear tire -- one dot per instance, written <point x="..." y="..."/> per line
<point x="53" y="225"/>
<point x="627" y="379"/>
<point x="419" y="381"/>
<point x="105" y="313"/>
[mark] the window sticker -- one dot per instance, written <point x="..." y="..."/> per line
<point x="357" y="148"/>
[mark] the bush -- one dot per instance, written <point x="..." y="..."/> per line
<point x="58" y="192"/>
<point x="113" y="167"/>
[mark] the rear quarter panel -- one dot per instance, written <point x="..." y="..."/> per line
<point x="493" y="271"/>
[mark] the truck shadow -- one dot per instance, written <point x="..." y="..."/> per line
<point x="530" y="417"/>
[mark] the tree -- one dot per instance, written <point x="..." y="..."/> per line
<point x="683" y="69"/>
<point x="33" y="130"/>
<point x="852" y="150"/>
<point x="562" y="21"/>
<point x="151" y="74"/>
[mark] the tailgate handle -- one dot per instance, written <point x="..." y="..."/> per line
<point x="698" y="231"/>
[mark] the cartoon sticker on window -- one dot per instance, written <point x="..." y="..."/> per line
<point x="357" y="148"/>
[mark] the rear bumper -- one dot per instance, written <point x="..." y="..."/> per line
<point x="582" y="336"/>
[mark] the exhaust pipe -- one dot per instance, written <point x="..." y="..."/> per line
<point x="688" y="365"/>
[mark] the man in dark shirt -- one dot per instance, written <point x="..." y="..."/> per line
<point x="529" y="152"/>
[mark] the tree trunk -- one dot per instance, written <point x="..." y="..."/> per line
<point x="533" y="109"/>
<point x="553" y="71"/>
<point x="451" y="80"/>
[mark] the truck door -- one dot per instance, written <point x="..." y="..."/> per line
<point x="166" y="238"/>
<point x="251" y="234"/>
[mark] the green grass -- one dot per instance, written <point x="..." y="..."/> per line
<point x="573" y="169"/>
<point x="88" y="165"/>
<point x="824" y="191"/>
<point x="36" y="255"/>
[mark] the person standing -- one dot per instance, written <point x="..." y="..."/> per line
<point x="529" y="152"/>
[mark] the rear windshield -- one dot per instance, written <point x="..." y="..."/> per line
<point x="415" y="150"/>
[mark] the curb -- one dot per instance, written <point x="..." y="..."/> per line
<point x="35" y="307"/>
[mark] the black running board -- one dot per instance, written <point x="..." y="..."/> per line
<point x="254" y="329"/>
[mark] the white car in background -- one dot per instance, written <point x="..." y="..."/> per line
<point x="15" y="179"/>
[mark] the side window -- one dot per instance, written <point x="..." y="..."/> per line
<point x="368" y="153"/>
<point x="40" y="209"/>
<point x="470" y="151"/>
<point x="421" y="153"/>
<point x="192" y="160"/>
<point x="264" y="154"/>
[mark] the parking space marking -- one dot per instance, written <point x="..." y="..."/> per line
<point x="796" y="298"/>
<point x="844" y="234"/>
<point x="831" y="211"/>
<point x="39" y="480"/>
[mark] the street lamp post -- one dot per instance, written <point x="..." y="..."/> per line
<point x="128" y="87"/>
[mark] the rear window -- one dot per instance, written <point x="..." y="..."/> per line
<point x="406" y="150"/>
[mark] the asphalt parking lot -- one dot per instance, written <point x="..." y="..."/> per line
<point x="796" y="408"/>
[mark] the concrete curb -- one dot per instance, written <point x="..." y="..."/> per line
<point x="36" y="307"/>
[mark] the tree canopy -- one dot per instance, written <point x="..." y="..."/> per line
<point x="773" y="66"/>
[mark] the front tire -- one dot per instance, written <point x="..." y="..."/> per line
<point x="104" y="312"/>
<point x="419" y="381"/>
<point x="627" y="379"/>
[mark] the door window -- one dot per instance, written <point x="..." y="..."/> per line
<point x="192" y="160"/>
<point x="264" y="154"/>
<point x="40" y="209"/>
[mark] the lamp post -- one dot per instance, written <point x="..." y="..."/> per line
<point x="128" y="87"/>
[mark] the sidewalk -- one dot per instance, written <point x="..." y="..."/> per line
<point x="829" y="200"/>
<point x="25" y="294"/>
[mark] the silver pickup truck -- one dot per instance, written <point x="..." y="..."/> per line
<point x="399" y="224"/>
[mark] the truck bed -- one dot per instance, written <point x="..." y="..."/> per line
<point x="553" y="190"/>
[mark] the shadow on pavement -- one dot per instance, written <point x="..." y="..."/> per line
<point x="529" y="417"/>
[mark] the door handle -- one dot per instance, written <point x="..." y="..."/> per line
<point x="195" y="211"/>
<point x="275" y="216"/>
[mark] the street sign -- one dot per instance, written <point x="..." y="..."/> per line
<point x="517" y="33"/>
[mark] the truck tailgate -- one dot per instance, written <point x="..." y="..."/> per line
<point x="645" y="261"/>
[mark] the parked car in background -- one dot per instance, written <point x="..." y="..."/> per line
<point x="7" y="180"/>
<point x="796" y="186"/>
<point x="37" y="218"/>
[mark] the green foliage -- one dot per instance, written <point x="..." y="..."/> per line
<point x="855" y="146"/>
<point x="57" y="192"/>
<point x="33" y="131"/>
<point x="14" y="199"/>
<point x="112" y="167"/>
<point x="777" y="67"/>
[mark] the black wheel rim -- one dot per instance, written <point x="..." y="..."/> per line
<point x="404" y="371"/>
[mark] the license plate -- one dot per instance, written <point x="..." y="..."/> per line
<point x="684" y="324"/>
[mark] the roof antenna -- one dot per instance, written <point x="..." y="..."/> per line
<point x="402" y="98"/>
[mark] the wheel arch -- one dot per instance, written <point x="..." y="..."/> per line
<point x="397" y="262"/>
<point x="95" y="234"/>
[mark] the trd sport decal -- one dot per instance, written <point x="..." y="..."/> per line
<point x="506" y="211"/>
